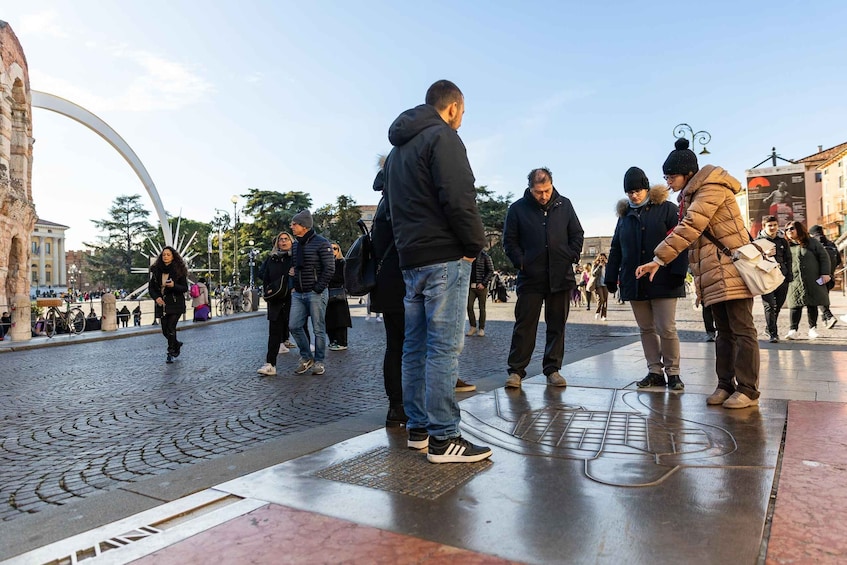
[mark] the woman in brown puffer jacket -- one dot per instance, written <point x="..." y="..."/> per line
<point x="707" y="202"/>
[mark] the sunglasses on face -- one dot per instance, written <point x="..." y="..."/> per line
<point x="790" y="229"/>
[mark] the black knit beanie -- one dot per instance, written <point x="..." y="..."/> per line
<point x="682" y="160"/>
<point x="635" y="179"/>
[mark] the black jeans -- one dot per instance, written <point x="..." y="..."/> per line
<point x="392" y="362"/>
<point x="527" y="312"/>
<point x="338" y="336"/>
<point x="796" y="314"/>
<point x="736" y="347"/>
<point x="772" y="303"/>
<point x="474" y="295"/>
<point x="169" y="330"/>
<point x="708" y="319"/>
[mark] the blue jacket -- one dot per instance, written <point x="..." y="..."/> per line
<point x="314" y="270"/>
<point x="637" y="234"/>
<point x="543" y="243"/>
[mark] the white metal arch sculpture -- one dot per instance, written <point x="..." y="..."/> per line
<point x="78" y="113"/>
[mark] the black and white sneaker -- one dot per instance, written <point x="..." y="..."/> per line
<point x="418" y="438"/>
<point x="456" y="450"/>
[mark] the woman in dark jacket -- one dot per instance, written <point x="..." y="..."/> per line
<point x="337" y="309"/>
<point x="810" y="267"/>
<point x="387" y="298"/>
<point x="168" y="285"/>
<point x="644" y="219"/>
<point x="274" y="274"/>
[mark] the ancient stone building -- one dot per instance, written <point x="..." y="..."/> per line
<point x="17" y="211"/>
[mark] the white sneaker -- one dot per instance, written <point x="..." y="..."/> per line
<point x="267" y="370"/>
<point x="481" y="333"/>
<point x="283" y="349"/>
<point x="471" y="331"/>
<point x="602" y="318"/>
<point x="792" y="334"/>
<point x="378" y="317"/>
<point x="368" y="318"/>
<point x="813" y="333"/>
<point x="596" y="316"/>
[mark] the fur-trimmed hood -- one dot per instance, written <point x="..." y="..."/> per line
<point x="658" y="195"/>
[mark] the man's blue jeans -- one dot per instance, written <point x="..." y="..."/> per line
<point x="309" y="305"/>
<point x="436" y="296"/>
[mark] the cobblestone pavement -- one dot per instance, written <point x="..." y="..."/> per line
<point x="94" y="416"/>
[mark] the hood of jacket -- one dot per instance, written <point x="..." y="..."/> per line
<point x="411" y="122"/>
<point x="711" y="174"/>
<point x="658" y="195"/>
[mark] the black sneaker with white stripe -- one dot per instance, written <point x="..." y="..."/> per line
<point x="418" y="438"/>
<point x="456" y="450"/>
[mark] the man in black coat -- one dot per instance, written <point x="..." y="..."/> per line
<point x="429" y="189"/>
<point x="773" y="301"/>
<point x="543" y="239"/>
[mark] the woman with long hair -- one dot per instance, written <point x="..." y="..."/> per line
<point x="337" y="315"/>
<point x="598" y="273"/>
<point x="274" y="273"/>
<point x="810" y="266"/>
<point x="168" y="285"/>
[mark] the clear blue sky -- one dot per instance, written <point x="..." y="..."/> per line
<point x="218" y="97"/>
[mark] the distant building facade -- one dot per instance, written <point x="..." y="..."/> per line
<point x="47" y="252"/>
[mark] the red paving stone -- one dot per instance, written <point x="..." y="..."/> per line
<point x="809" y="525"/>
<point x="279" y="534"/>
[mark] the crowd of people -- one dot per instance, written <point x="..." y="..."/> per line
<point x="428" y="238"/>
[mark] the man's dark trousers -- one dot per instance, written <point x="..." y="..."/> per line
<point x="772" y="303"/>
<point x="527" y="313"/>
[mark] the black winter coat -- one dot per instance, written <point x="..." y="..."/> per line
<point x="430" y="191"/>
<point x="318" y="263"/>
<point x="390" y="286"/>
<point x="637" y="234"/>
<point x="275" y="268"/>
<point x="174" y="296"/>
<point x="482" y="270"/>
<point x="543" y="243"/>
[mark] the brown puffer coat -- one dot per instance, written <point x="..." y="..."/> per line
<point x="709" y="202"/>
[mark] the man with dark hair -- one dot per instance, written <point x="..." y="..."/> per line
<point x="482" y="272"/>
<point x="773" y="301"/>
<point x="543" y="238"/>
<point x="429" y="189"/>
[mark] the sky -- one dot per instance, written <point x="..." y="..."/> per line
<point x="217" y="97"/>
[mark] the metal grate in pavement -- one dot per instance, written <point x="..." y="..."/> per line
<point x="401" y="471"/>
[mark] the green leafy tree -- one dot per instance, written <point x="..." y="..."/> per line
<point x="492" y="209"/>
<point x="337" y="222"/>
<point x="271" y="213"/>
<point x="121" y="245"/>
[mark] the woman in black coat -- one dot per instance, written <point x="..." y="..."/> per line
<point x="168" y="285"/>
<point x="644" y="219"/>
<point x="337" y="315"/>
<point x="274" y="273"/>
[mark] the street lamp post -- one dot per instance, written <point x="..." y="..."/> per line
<point x="72" y="271"/>
<point x="252" y="254"/>
<point x="702" y="137"/>
<point x="235" y="274"/>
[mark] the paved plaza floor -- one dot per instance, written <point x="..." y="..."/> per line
<point x="107" y="450"/>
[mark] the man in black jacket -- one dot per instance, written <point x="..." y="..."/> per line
<point x="314" y="265"/>
<point x="543" y="239"/>
<point x="429" y="188"/>
<point x="482" y="271"/>
<point x="773" y="301"/>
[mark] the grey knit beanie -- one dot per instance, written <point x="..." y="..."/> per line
<point x="303" y="218"/>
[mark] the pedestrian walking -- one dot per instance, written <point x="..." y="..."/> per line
<point x="313" y="265"/>
<point x="167" y="286"/>
<point x="644" y="218"/>
<point x="816" y="231"/>
<point x="810" y="273"/>
<point x="337" y="308"/>
<point x="773" y="301"/>
<point x="482" y="271"/>
<point x="274" y="274"/>
<point x="707" y="205"/>
<point x="598" y="275"/>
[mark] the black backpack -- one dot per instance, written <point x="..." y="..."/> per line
<point x="834" y="256"/>
<point x="360" y="265"/>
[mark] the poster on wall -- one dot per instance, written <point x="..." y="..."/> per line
<point x="776" y="191"/>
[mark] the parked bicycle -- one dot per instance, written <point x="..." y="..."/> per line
<point x="232" y="302"/>
<point x="71" y="321"/>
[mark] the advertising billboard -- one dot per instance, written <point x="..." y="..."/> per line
<point x="776" y="191"/>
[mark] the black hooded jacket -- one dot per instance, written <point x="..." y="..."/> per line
<point x="429" y="187"/>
